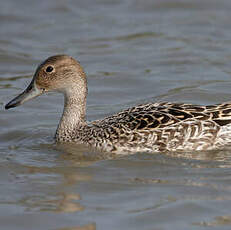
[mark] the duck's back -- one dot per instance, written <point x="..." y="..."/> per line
<point x="161" y="115"/>
<point x="168" y="126"/>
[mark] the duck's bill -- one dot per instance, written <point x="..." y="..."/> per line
<point x="31" y="92"/>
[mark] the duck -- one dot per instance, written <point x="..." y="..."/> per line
<point x="150" y="127"/>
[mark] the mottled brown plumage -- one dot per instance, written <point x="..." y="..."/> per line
<point x="149" y="127"/>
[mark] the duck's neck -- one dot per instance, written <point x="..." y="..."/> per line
<point x="74" y="114"/>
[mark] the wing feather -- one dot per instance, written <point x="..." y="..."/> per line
<point x="162" y="115"/>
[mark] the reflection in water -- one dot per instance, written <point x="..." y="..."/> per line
<point x="219" y="221"/>
<point x="134" y="52"/>
<point x="214" y="158"/>
<point x="85" y="227"/>
<point x="67" y="203"/>
<point x="57" y="183"/>
<point x="82" y="155"/>
<point x="184" y="182"/>
<point x="59" y="203"/>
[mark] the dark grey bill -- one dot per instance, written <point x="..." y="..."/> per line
<point x="31" y="92"/>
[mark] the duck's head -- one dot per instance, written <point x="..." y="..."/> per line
<point x="57" y="73"/>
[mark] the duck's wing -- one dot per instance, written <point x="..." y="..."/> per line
<point x="219" y="113"/>
<point x="164" y="114"/>
<point x="141" y="117"/>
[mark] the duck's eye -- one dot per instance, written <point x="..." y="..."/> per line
<point x="49" y="69"/>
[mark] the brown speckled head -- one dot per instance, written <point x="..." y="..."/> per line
<point x="57" y="73"/>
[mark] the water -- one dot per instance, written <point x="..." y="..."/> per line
<point x="133" y="52"/>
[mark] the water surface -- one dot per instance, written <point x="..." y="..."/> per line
<point x="133" y="52"/>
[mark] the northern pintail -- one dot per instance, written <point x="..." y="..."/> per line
<point x="149" y="127"/>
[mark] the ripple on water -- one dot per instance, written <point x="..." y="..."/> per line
<point x="133" y="52"/>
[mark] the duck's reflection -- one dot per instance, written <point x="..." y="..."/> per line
<point x="218" y="221"/>
<point x="85" y="227"/>
<point x="67" y="203"/>
<point x="57" y="186"/>
<point x="213" y="158"/>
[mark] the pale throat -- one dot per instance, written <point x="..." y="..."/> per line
<point x="74" y="112"/>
